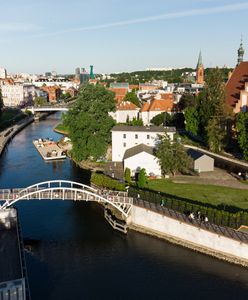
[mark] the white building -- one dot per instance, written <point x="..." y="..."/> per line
<point x="3" y="73"/>
<point x="125" y="137"/>
<point x="18" y="95"/>
<point x="125" y="111"/>
<point x="139" y="157"/>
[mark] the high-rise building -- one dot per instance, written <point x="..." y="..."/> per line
<point x="200" y="70"/>
<point x="92" y="76"/>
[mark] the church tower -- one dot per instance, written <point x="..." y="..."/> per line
<point x="200" y="70"/>
<point x="241" y="52"/>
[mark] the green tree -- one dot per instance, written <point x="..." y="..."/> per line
<point x="127" y="175"/>
<point x="215" y="134"/>
<point x="142" y="178"/>
<point x="89" y="122"/>
<point x="136" y="122"/>
<point x="172" y="156"/>
<point x="1" y="103"/>
<point x="212" y="110"/>
<point x="191" y="120"/>
<point x="162" y="119"/>
<point x="187" y="100"/>
<point x="40" y="101"/>
<point x="132" y="97"/>
<point x="242" y="132"/>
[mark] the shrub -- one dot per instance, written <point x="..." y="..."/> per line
<point x="102" y="180"/>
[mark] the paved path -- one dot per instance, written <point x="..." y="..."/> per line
<point x="217" y="177"/>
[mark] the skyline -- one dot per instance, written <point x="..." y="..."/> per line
<point x="62" y="36"/>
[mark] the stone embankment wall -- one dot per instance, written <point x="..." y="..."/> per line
<point x="187" y="235"/>
<point x="9" y="133"/>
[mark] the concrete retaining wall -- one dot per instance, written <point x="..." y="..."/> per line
<point x="188" y="235"/>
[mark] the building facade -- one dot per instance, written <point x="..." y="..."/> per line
<point x="18" y="95"/>
<point x="125" y="137"/>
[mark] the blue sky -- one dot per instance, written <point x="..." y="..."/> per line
<point x="119" y="35"/>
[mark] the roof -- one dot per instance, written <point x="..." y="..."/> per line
<point x="138" y="149"/>
<point x="236" y="83"/>
<point x="159" y="129"/>
<point x="158" y="105"/>
<point x="199" y="63"/>
<point x="195" y="154"/>
<point x="119" y="85"/>
<point x="126" y="105"/>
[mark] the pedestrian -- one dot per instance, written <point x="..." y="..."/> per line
<point x="206" y="219"/>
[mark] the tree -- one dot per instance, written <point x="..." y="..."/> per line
<point x="172" y="156"/>
<point x="1" y="102"/>
<point x="132" y="97"/>
<point x="40" y="101"/>
<point x="212" y="110"/>
<point x="215" y="134"/>
<point x="191" y="120"/>
<point x="162" y="119"/>
<point x="242" y="132"/>
<point x="127" y="175"/>
<point x="142" y="178"/>
<point x="187" y="100"/>
<point x="89" y="122"/>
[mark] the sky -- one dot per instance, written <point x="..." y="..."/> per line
<point x="119" y="35"/>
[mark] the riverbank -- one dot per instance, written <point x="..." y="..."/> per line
<point x="205" y="238"/>
<point x="7" y="134"/>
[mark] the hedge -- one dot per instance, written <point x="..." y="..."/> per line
<point x="104" y="181"/>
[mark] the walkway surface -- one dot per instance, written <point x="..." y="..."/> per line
<point x="218" y="177"/>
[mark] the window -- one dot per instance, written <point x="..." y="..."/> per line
<point x="136" y="136"/>
<point x="124" y="135"/>
<point x="148" y="136"/>
<point x="124" y="144"/>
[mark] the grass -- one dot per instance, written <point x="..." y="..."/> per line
<point x="61" y="127"/>
<point x="203" y="193"/>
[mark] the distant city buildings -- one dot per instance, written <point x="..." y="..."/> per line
<point x="3" y="73"/>
<point x="18" y="95"/>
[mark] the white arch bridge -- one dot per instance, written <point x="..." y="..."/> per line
<point x="66" y="190"/>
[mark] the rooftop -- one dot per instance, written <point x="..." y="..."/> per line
<point x="126" y="105"/>
<point x="236" y="83"/>
<point x="159" y="129"/>
<point x="138" y="149"/>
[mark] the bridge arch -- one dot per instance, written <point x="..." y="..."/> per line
<point x="66" y="190"/>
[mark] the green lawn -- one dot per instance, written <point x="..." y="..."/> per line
<point x="204" y="193"/>
<point x="62" y="127"/>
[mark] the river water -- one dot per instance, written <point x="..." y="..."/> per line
<point x="72" y="253"/>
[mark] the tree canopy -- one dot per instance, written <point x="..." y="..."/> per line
<point x="187" y="100"/>
<point x="1" y="102"/>
<point x="172" y="156"/>
<point x="132" y="97"/>
<point x="242" y="132"/>
<point x="89" y="122"/>
<point x="40" y="101"/>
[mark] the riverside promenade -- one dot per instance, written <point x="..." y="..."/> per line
<point x="7" y="134"/>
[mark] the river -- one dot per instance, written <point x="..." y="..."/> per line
<point x="74" y="254"/>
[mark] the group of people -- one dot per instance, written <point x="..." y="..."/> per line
<point x="200" y="217"/>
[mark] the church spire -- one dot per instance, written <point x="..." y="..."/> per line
<point x="199" y="63"/>
<point x="200" y="70"/>
<point x="241" y="52"/>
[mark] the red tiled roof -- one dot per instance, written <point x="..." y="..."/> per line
<point x="126" y="105"/>
<point x="236" y="83"/>
<point x="158" y="105"/>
